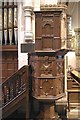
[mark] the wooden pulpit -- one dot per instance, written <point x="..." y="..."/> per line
<point x="48" y="79"/>
<point x="47" y="62"/>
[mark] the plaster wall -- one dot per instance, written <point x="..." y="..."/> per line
<point x="75" y="16"/>
<point x="22" y="57"/>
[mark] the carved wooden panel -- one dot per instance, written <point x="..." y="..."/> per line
<point x="9" y="64"/>
<point x="43" y="66"/>
<point x="47" y="30"/>
<point x="47" y="87"/>
<point x="38" y="25"/>
<point x="47" y="74"/>
<point x="60" y="66"/>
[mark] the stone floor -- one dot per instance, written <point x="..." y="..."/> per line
<point x="74" y="113"/>
<point x="21" y="116"/>
<point x="61" y="108"/>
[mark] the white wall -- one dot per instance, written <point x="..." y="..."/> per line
<point x="71" y="57"/>
<point x="75" y="16"/>
<point x="22" y="57"/>
<point x="36" y="5"/>
<point x="48" y="2"/>
<point x="75" y="13"/>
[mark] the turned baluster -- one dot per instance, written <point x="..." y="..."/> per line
<point x="11" y="91"/>
<point x="19" y="83"/>
<point x="3" y="97"/>
<point x="7" y="93"/>
<point x="24" y="79"/>
<point x="24" y="84"/>
<point x="21" y="86"/>
<point x="14" y="87"/>
<point x="17" y="86"/>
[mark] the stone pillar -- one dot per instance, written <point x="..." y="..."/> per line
<point x="63" y="29"/>
<point x="28" y="45"/>
<point x="69" y="33"/>
<point x="64" y="38"/>
<point x="28" y="36"/>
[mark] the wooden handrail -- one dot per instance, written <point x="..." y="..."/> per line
<point x="76" y="76"/>
<point x="14" y="86"/>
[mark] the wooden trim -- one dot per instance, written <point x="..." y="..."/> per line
<point x="9" y="6"/>
<point x="48" y="77"/>
<point x="72" y="90"/>
<point x="76" y="73"/>
<point x="6" y="48"/>
<point x="50" y="98"/>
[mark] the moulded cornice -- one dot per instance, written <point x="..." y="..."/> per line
<point x="59" y="7"/>
<point x="30" y="8"/>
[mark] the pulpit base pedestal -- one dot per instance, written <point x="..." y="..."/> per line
<point x="48" y="112"/>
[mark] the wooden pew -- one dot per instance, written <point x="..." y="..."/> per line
<point x="73" y="88"/>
